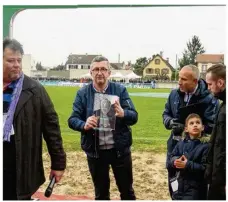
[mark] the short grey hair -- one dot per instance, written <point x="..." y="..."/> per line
<point x="194" y="69"/>
<point x="12" y="44"/>
<point x="100" y="58"/>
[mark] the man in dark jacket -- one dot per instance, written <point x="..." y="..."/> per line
<point x="105" y="148"/>
<point x="191" y="90"/>
<point x="28" y="113"/>
<point x="216" y="161"/>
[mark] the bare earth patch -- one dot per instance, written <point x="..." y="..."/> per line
<point x="150" y="177"/>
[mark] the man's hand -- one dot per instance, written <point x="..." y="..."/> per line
<point x="119" y="110"/>
<point x="181" y="162"/>
<point x="176" y="127"/>
<point x="91" y="122"/>
<point x="57" y="173"/>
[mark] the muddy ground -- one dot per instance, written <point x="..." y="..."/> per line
<point x="150" y="177"/>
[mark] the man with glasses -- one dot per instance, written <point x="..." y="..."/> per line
<point x="108" y="147"/>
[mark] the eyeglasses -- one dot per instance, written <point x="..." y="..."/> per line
<point x="102" y="70"/>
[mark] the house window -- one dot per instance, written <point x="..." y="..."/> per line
<point x="165" y="71"/>
<point x="88" y="66"/>
<point x="73" y="66"/>
<point x="157" y="71"/>
<point x="81" y="66"/>
<point x="204" y="68"/>
<point x="157" y="62"/>
<point x="149" y="71"/>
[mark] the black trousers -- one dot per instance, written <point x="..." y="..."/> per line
<point x="216" y="192"/>
<point x="122" y="169"/>
<point x="9" y="171"/>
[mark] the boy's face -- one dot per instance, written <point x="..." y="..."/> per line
<point x="194" y="127"/>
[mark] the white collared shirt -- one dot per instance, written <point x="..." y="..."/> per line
<point x="103" y="91"/>
<point x="188" y="96"/>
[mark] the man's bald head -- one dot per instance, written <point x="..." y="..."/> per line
<point x="188" y="78"/>
<point x="193" y="70"/>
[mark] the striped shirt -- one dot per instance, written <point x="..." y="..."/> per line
<point x="7" y="98"/>
<point x="188" y="96"/>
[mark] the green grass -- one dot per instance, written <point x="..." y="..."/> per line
<point x="149" y="133"/>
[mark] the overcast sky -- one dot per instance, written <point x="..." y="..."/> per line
<point x="51" y="35"/>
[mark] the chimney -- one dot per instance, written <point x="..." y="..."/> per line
<point x="161" y="53"/>
<point x="167" y="59"/>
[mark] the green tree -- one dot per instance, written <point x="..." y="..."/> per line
<point x="140" y="64"/>
<point x="60" y="67"/>
<point x="194" y="47"/>
<point x="39" y="66"/>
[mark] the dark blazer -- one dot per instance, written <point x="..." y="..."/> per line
<point x="35" y="118"/>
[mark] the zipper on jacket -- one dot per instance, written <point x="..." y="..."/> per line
<point x="96" y="155"/>
<point x="118" y="154"/>
<point x="129" y="104"/>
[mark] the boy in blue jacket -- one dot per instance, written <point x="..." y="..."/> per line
<point x="188" y="159"/>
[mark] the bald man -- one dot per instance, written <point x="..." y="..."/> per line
<point x="191" y="90"/>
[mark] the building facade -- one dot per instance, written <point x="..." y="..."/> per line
<point x="158" y="68"/>
<point x="204" y="61"/>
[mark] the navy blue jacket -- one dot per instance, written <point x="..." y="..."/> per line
<point x="191" y="182"/>
<point x="202" y="95"/>
<point x="83" y="108"/>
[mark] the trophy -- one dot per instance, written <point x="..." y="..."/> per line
<point x="105" y="106"/>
